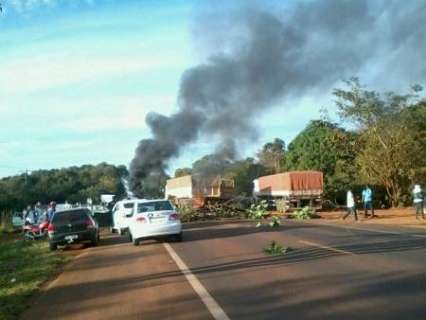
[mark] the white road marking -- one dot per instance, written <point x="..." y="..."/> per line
<point x="313" y="244"/>
<point x="216" y="311"/>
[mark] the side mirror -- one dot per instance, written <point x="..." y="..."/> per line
<point x="129" y="214"/>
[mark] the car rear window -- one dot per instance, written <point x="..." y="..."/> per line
<point x="70" y="216"/>
<point x="154" y="206"/>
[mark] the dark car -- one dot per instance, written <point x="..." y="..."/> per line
<point x="72" y="226"/>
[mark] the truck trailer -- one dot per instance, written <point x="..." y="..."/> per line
<point x="197" y="191"/>
<point x="291" y="190"/>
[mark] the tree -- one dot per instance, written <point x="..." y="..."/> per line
<point x="325" y="147"/>
<point x="74" y="184"/>
<point x="389" y="147"/>
<point x="181" y="172"/>
<point x="272" y="155"/>
<point x="244" y="172"/>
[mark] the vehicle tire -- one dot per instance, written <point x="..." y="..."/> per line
<point x="130" y="237"/>
<point x="53" y="246"/>
<point x="178" y="237"/>
<point x="95" y="241"/>
<point x="136" y="242"/>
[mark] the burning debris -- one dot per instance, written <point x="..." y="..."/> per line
<point x="312" y="45"/>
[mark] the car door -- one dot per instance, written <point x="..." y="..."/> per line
<point x="127" y="213"/>
<point x="115" y="222"/>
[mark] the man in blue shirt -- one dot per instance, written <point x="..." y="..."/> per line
<point x="367" y="200"/>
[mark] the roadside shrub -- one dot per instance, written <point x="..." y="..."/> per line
<point x="6" y="222"/>
<point x="275" y="222"/>
<point x="258" y="211"/>
<point x="304" y="214"/>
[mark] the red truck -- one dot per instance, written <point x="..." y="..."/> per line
<point x="292" y="189"/>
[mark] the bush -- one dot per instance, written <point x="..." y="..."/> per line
<point x="258" y="211"/>
<point x="275" y="222"/>
<point x="304" y="214"/>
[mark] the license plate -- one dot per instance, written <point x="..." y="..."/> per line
<point x="157" y="219"/>
<point x="71" y="238"/>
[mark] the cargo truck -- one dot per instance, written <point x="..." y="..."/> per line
<point x="197" y="191"/>
<point x="291" y="190"/>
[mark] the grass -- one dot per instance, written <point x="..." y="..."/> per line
<point x="24" y="267"/>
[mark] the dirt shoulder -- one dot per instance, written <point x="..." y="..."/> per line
<point x="399" y="217"/>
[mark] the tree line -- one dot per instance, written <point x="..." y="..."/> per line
<point x="384" y="147"/>
<point x="72" y="185"/>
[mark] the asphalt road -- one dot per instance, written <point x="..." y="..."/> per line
<point x="333" y="272"/>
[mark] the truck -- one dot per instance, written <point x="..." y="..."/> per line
<point x="291" y="190"/>
<point x="196" y="191"/>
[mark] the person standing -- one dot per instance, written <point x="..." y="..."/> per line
<point x="367" y="200"/>
<point x="418" y="201"/>
<point x="350" y="205"/>
<point x="51" y="210"/>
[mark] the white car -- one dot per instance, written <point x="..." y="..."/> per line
<point x="152" y="219"/>
<point x="121" y="214"/>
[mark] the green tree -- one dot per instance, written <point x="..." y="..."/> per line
<point x="272" y="155"/>
<point x="74" y="184"/>
<point x="323" y="146"/>
<point x="181" y="172"/>
<point x="390" y="150"/>
<point x="244" y="172"/>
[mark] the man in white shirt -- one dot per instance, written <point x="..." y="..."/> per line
<point x="350" y="205"/>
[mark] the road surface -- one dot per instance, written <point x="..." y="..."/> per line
<point x="220" y="272"/>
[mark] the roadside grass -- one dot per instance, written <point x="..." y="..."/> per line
<point x="24" y="267"/>
<point x="6" y="223"/>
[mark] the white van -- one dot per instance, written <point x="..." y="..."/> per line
<point x="121" y="213"/>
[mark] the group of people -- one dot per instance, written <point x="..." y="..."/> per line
<point x="367" y="201"/>
<point x="35" y="214"/>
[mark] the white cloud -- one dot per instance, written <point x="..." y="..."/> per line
<point x="26" y="75"/>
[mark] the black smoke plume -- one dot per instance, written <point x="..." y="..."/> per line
<point x="263" y="57"/>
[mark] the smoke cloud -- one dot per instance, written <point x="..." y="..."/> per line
<point x="263" y="57"/>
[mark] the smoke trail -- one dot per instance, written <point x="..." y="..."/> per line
<point x="268" y="58"/>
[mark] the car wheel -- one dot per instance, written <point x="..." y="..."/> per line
<point x="130" y="237"/>
<point x="95" y="241"/>
<point x="135" y="242"/>
<point x="178" y="237"/>
<point x="53" y="246"/>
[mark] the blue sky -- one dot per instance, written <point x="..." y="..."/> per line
<point x="78" y="77"/>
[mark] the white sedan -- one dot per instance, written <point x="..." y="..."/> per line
<point x="154" y="219"/>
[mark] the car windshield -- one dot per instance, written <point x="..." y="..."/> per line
<point x="69" y="216"/>
<point x="154" y="206"/>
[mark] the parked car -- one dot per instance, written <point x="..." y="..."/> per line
<point x="154" y="219"/>
<point x="121" y="213"/>
<point x="72" y="226"/>
<point x="18" y="220"/>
